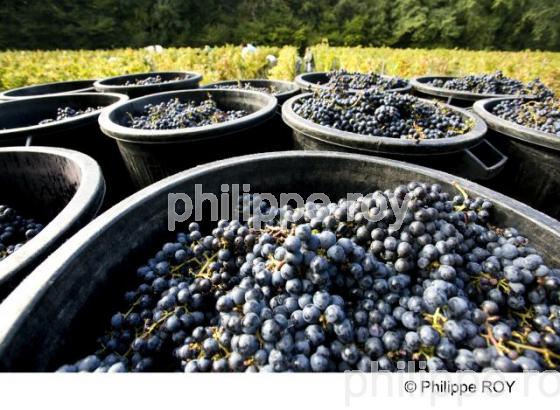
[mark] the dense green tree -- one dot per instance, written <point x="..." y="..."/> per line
<point x="474" y="24"/>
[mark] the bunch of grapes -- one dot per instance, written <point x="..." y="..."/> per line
<point x="542" y="115"/>
<point x="330" y="288"/>
<point x="495" y="83"/>
<point x="345" y="80"/>
<point x="15" y="230"/>
<point x="152" y="80"/>
<point x="382" y="115"/>
<point x="174" y="114"/>
<point x="65" y="113"/>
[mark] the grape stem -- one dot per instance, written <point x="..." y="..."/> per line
<point x="465" y="196"/>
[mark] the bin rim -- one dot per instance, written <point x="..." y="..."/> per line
<point x="86" y="195"/>
<point x="56" y="125"/>
<point x="294" y="88"/>
<point x="511" y="129"/>
<point x="6" y="95"/>
<point x="369" y="143"/>
<point x="104" y="84"/>
<point x="306" y="85"/>
<point x="420" y="84"/>
<point x="142" y="136"/>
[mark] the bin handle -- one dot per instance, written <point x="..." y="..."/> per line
<point x="478" y="169"/>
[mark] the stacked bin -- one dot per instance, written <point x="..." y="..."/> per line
<point x="101" y="259"/>
<point x="532" y="174"/>
<point x="63" y="189"/>
<point x="59" y="88"/>
<point x="468" y="155"/>
<point x="284" y="91"/>
<point x="151" y="155"/>
<point x="20" y="120"/>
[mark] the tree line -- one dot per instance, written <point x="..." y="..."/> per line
<point x="93" y="24"/>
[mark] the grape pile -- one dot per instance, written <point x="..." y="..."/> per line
<point x="272" y="90"/>
<point x="324" y="288"/>
<point x="382" y="115"/>
<point x="542" y="116"/>
<point x="15" y="230"/>
<point x="495" y="83"/>
<point x="174" y="114"/>
<point x="345" y="80"/>
<point x="69" y="112"/>
<point x="152" y="80"/>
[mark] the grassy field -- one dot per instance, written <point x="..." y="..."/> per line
<point x="20" y="68"/>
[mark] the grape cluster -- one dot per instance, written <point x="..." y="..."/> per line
<point x="495" y="83"/>
<point x="65" y="113"/>
<point x="174" y="114"/>
<point x="542" y="115"/>
<point x="15" y="230"/>
<point x="272" y="90"/>
<point x="152" y="80"/>
<point x="382" y="115"/>
<point x="326" y="288"/>
<point x="345" y="80"/>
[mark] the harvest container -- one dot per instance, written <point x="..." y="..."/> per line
<point x="176" y="80"/>
<point x="533" y="173"/>
<point x="317" y="81"/>
<point x="58" y="88"/>
<point x="151" y="155"/>
<point x="285" y="89"/>
<point x="468" y="155"/>
<point x="453" y="97"/>
<point x="78" y="288"/>
<point x="19" y="125"/>
<point x="60" y="188"/>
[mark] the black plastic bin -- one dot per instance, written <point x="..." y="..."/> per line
<point x="78" y="288"/>
<point x="151" y="155"/>
<point x="532" y="174"/>
<point x="469" y="155"/>
<point x="453" y="97"/>
<point x="286" y="89"/>
<point x="173" y="80"/>
<point x="19" y="120"/>
<point x="317" y="81"/>
<point x="63" y="87"/>
<point x="61" y="189"/>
